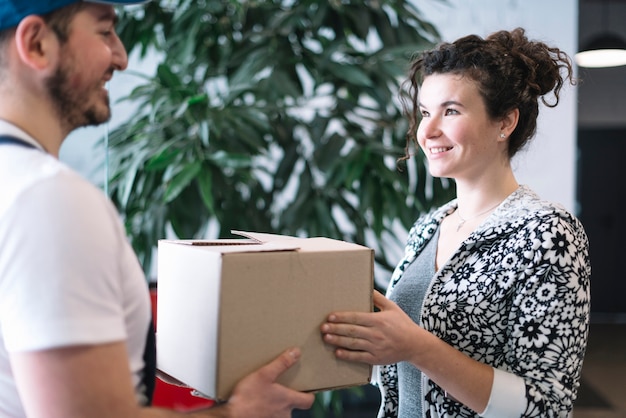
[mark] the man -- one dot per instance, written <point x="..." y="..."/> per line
<point x="74" y="304"/>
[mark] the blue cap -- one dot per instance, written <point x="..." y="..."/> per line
<point x="13" y="11"/>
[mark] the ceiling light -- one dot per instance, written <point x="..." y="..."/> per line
<point x="605" y="50"/>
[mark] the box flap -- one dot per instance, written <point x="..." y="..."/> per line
<point x="303" y="244"/>
<point x="225" y="246"/>
<point x="261" y="237"/>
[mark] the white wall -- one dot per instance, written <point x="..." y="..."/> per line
<point x="549" y="164"/>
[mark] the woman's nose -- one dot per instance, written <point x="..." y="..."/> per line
<point x="429" y="127"/>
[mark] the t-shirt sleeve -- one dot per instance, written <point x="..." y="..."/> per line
<point x="59" y="263"/>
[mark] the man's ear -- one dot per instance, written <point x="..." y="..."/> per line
<point x="36" y="42"/>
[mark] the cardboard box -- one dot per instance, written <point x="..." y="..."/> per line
<point x="227" y="307"/>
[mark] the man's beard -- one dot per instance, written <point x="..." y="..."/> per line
<point x="71" y="104"/>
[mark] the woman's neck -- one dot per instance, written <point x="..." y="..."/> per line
<point x="476" y="198"/>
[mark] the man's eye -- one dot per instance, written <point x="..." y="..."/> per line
<point x="107" y="32"/>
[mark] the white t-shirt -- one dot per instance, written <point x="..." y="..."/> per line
<point x="68" y="275"/>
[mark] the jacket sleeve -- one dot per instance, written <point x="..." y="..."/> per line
<point x="549" y="320"/>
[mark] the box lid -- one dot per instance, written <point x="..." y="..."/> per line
<point x="252" y="243"/>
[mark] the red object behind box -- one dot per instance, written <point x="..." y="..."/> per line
<point x="171" y="396"/>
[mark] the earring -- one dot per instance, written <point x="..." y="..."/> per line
<point x="502" y="135"/>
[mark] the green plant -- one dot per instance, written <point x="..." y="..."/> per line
<point x="276" y="116"/>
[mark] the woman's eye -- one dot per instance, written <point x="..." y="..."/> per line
<point x="424" y="113"/>
<point x="451" y="112"/>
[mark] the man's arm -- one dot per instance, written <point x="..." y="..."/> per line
<point x="95" y="381"/>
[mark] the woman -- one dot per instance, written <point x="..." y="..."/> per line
<point x="487" y="313"/>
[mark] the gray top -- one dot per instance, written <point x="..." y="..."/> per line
<point x="409" y="295"/>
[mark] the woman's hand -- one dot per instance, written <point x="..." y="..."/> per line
<point x="390" y="336"/>
<point x="376" y="338"/>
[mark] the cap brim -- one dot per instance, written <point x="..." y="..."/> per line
<point x="13" y="11"/>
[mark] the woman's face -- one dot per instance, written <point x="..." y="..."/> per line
<point x="456" y="134"/>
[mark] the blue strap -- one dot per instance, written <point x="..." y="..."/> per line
<point x="11" y="140"/>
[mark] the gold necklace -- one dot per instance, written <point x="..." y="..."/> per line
<point x="462" y="221"/>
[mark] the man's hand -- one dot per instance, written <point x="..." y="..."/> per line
<point x="258" y="395"/>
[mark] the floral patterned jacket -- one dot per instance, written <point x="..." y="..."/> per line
<point x="515" y="295"/>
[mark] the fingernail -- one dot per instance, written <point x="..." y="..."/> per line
<point x="294" y="352"/>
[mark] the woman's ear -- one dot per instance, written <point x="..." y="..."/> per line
<point x="509" y="123"/>
<point x="36" y="42"/>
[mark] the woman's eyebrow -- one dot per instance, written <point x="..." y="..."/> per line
<point x="444" y="104"/>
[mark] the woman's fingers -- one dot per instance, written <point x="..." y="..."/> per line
<point x="355" y="356"/>
<point x="365" y="319"/>
<point x="382" y="337"/>
<point x="346" y="341"/>
<point x="381" y="302"/>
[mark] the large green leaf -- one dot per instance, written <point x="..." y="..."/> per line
<point x="182" y="180"/>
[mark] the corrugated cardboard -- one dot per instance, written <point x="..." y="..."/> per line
<point x="227" y="307"/>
